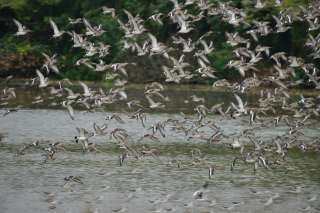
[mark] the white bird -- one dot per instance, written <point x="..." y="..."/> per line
<point x="233" y="19"/>
<point x="170" y="76"/>
<point x="56" y="32"/>
<point x="153" y="104"/>
<point x="106" y="10"/>
<point x="137" y="28"/>
<point x="67" y="104"/>
<point x="78" y="40"/>
<point x="236" y="143"/>
<point x="99" y="130"/>
<point x="313" y="198"/>
<point x="260" y="4"/>
<point x="50" y="63"/>
<point x="157" y="18"/>
<point x="83" y="137"/>
<point x="74" y="21"/>
<point x="22" y="30"/>
<point x="184" y="26"/>
<point x="156" y="47"/>
<point x="270" y="200"/>
<point x="86" y="89"/>
<point x="207" y="48"/>
<point x="279" y="148"/>
<point x="176" y="4"/>
<point x="71" y="94"/>
<point x="42" y="79"/>
<point x="92" y="30"/>
<point x="240" y="107"/>
<point x="189" y="2"/>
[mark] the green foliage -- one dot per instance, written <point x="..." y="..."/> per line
<point x="220" y="59"/>
<point x="9" y="44"/>
<point x="35" y="15"/>
<point x="80" y="74"/>
<point x="14" y="4"/>
<point x="294" y="3"/>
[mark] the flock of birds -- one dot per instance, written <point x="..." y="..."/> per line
<point x="275" y="108"/>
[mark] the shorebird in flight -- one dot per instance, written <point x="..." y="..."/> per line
<point x="22" y="30"/>
<point x="56" y="32"/>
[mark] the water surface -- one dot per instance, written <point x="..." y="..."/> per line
<point x="152" y="184"/>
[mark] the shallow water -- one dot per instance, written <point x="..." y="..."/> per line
<point x="28" y="125"/>
<point x="177" y="97"/>
<point x="152" y="184"/>
<point x="147" y="185"/>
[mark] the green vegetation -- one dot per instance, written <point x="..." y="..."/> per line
<point x="36" y="13"/>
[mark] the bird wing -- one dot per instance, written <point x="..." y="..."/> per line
<point x="71" y="112"/>
<point x="85" y="87"/>
<point x="151" y="102"/>
<point x="182" y="23"/>
<point x="176" y="4"/>
<point x="132" y="20"/>
<point x="201" y="63"/>
<point x="130" y="16"/>
<point x="240" y="102"/>
<point x="46" y="56"/>
<point x="154" y="41"/>
<point x="279" y="148"/>
<point x="96" y="128"/>
<point x="54" y="26"/>
<point x="279" y="23"/>
<point x="55" y="69"/>
<point x="19" y="25"/>
<point x="41" y="77"/>
<point x="87" y="23"/>
<point x="205" y="45"/>
<point x="69" y="91"/>
<point x="279" y="83"/>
